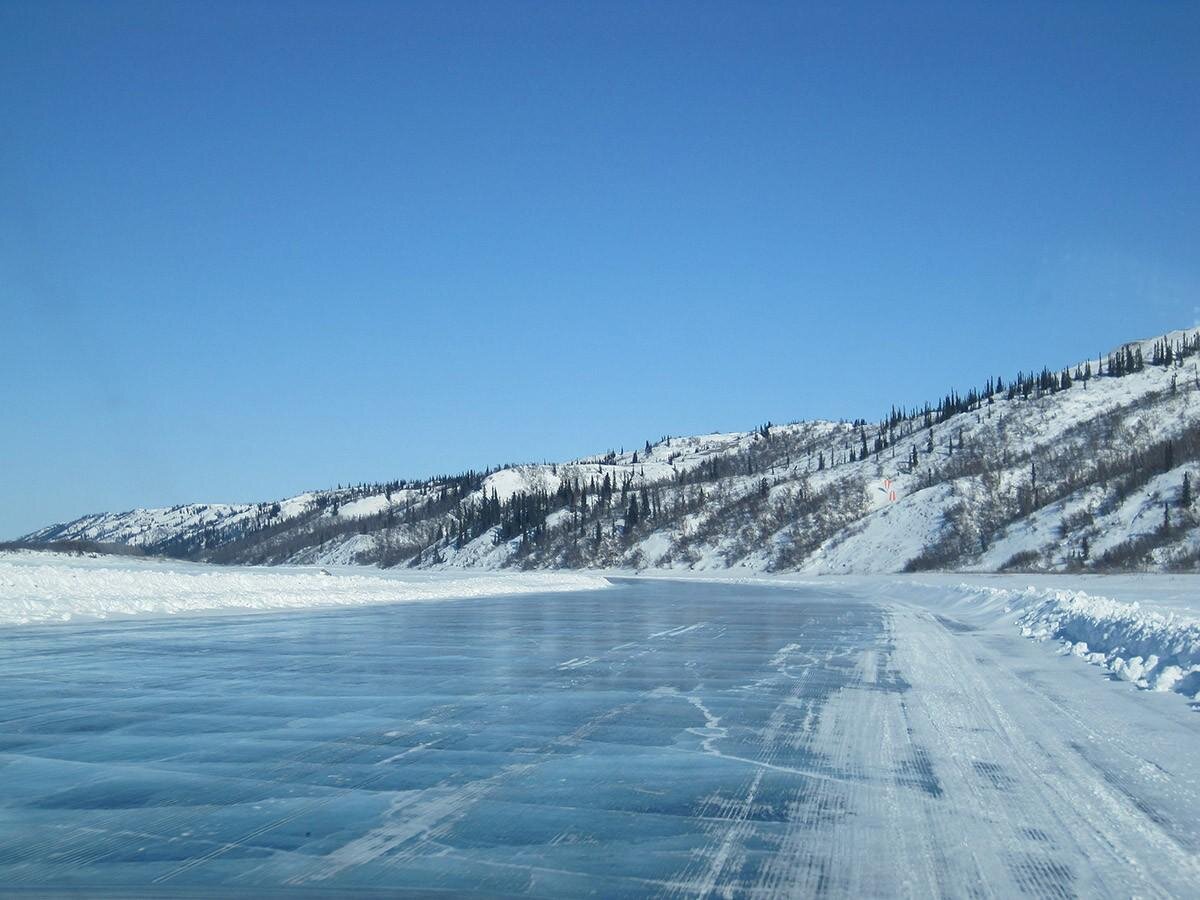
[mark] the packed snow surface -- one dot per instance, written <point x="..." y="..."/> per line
<point x="44" y="587"/>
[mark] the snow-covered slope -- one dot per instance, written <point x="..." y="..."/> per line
<point x="1082" y="468"/>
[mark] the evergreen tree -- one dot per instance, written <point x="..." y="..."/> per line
<point x="1185" y="493"/>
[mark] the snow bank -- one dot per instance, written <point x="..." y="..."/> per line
<point x="1156" y="649"/>
<point x="1153" y="650"/>
<point x="36" y="590"/>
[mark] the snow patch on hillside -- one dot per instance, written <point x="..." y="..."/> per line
<point x="888" y="537"/>
<point x="365" y="506"/>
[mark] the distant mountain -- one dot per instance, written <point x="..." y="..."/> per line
<point x="1088" y="467"/>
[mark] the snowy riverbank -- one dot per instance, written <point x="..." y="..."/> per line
<point x="40" y="587"/>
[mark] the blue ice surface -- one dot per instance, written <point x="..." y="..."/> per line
<point x="555" y="745"/>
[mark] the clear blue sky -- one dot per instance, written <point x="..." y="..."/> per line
<point x="248" y="249"/>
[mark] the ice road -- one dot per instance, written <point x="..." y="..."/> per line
<point x="656" y="739"/>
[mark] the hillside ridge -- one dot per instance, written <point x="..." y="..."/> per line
<point x="1088" y="467"/>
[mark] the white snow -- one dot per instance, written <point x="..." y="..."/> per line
<point x="44" y="587"/>
<point x="888" y="538"/>
<point x="1151" y="638"/>
<point x="365" y="506"/>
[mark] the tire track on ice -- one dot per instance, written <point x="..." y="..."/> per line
<point x="1055" y="808"/>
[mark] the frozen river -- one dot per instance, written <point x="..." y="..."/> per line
<point x="658" y="738"/>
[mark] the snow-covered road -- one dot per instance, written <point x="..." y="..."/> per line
<point x="660" y="738"/>
<point x="1051" y="781"/>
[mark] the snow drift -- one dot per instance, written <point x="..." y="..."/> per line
<point x="1155" y="648"/>
<point x="37" y="588"/>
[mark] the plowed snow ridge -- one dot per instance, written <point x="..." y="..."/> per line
<point x="32" y="592"/>
<point x="1156" y="650"/>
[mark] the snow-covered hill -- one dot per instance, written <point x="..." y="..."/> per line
<point x="1082" y="468"/>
